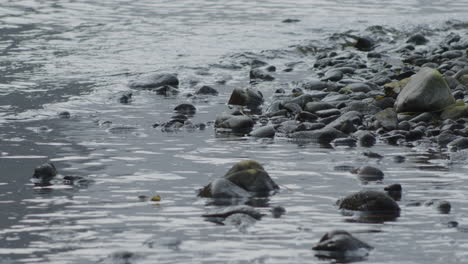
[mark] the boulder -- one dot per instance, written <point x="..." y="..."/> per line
<point x="427" y="91"/>
<point x="246" y="97"/>
<point x="154" y="80"/>
<point x="369" y="201"/>
<point x="235" y="123"/>
<point x="247" y="175"/>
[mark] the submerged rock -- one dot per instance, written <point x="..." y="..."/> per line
<point x="185" y="109"/>
<point x="248" y="175"/>
<point x="154" y="80"/>
<point x="427" y="91"/>
<point x="43" y="174"/>
<point x="341" y="245"/>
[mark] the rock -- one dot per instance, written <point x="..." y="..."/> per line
<point x="223" y="188"/>
<point x="290" y="20"/>
<point x="185" y="109"/>
<point x="424" y="117"/>
<point x="333" y="75"/>
<point x="427" y="91"/>
<point x="246" y="97"/>
<point x="445" y="137"/>
<point x="43" y="174"/>
<point x="304" y="116"/>
<point x="166" y="90"/>
<point x="248" y="175"/>
<point x="314" y="84"/>
<point x="349" y="142"/>
<point x="341" y="122"/>
<point x="387" y="119"/>
<point x="317" y="106"/>
<point x="417" y="39"/>
<point x="322" y="136"/>
<point x="369" y="201"/>
<point x="125" y="98"/>
<point x="458" y="144"/>
<point x="206" y="90"/>
<point x="366" y="139"/>
<point x="368" y="173"/>
<point x="342" y="246"/>
<point x="364" y="44"/>
<point x="394" y="191"/>
<point x="452" y="54"/>
<point x="357" y="87"/>
<point x="238" y="209"/>
<point x="372" y="155"/>
<point x="392" y="89"/>
<point x="442" y="206"/>
<point x="258" y="73"/>
<point x="236" y="124"/>
<point x="277" y="211"/>
<point x="454" y="112"/>
<point x="328" y="112"/>
<point x="64" y="115"/>
<point x="340" y="240"/>
<point x="264" y="132"/>
<point x="154" y="80"/>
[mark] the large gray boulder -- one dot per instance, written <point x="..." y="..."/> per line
<point x="426" y="91"/>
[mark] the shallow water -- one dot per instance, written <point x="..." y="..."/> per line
<point x="79" y="55"/>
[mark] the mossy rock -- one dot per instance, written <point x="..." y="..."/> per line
<point x="392" y="89"/>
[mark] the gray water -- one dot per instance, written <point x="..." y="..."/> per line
<point x="79" y="55"/>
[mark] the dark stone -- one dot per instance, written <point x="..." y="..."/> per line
<point x="155" y="80"/>
<point x="64" y="115"/>
<point x="373" y="201"/>
<point x="333" y="75"/>
<point x="368" y="173"/>
<point x="372" y="155"/>
<point x="350" y="142"/>
<point x="258" y="73"/>
<point x="206" y="90"/>
<point x="125" y="98"/>
<point x="239" y="209"/>
<point x="364" y="44"/>
<point x="366" y="139"/>
<point x="44" y="173"/>
<point x="304" y="116"/>
<point x="290" y="20"/>
<point x="394" y="191"/>
<point x="277" y="211"/>
<point x="166" y="90"/>
<point x="317" y="106"/>
<point x="342" y="247"/>
<point x="246" y="97"/>
<point x="417" y="39"/>
<point x="186" y="109"/>
<point x="327" y="112"/>
<point x="458" y="144"/>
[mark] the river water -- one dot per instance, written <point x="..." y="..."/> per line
<point x="78" y="56"/>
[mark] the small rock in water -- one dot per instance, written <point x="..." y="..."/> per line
<point x="277" y="211"/>
<point x="125" y="98"/>
<point x="342" y="246"/>
<point x="264" y="132"/>
<point x="369" y="173"/>
<point x="64" y="115"/>
<point x="206" y="90"/>
<point x="369" y="201"/>
<point x="394" y="191"/>
<point x="43" y="174"/>
<point x="260" y="74"/>
<point x="186" y="109"/>
<point x="247" y="175"/>
<point x="290" y="20"/>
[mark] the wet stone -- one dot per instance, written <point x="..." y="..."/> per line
<point x="186" y="109"/>
<point x="206" y="90"/>
<point x="155" y="80"/>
